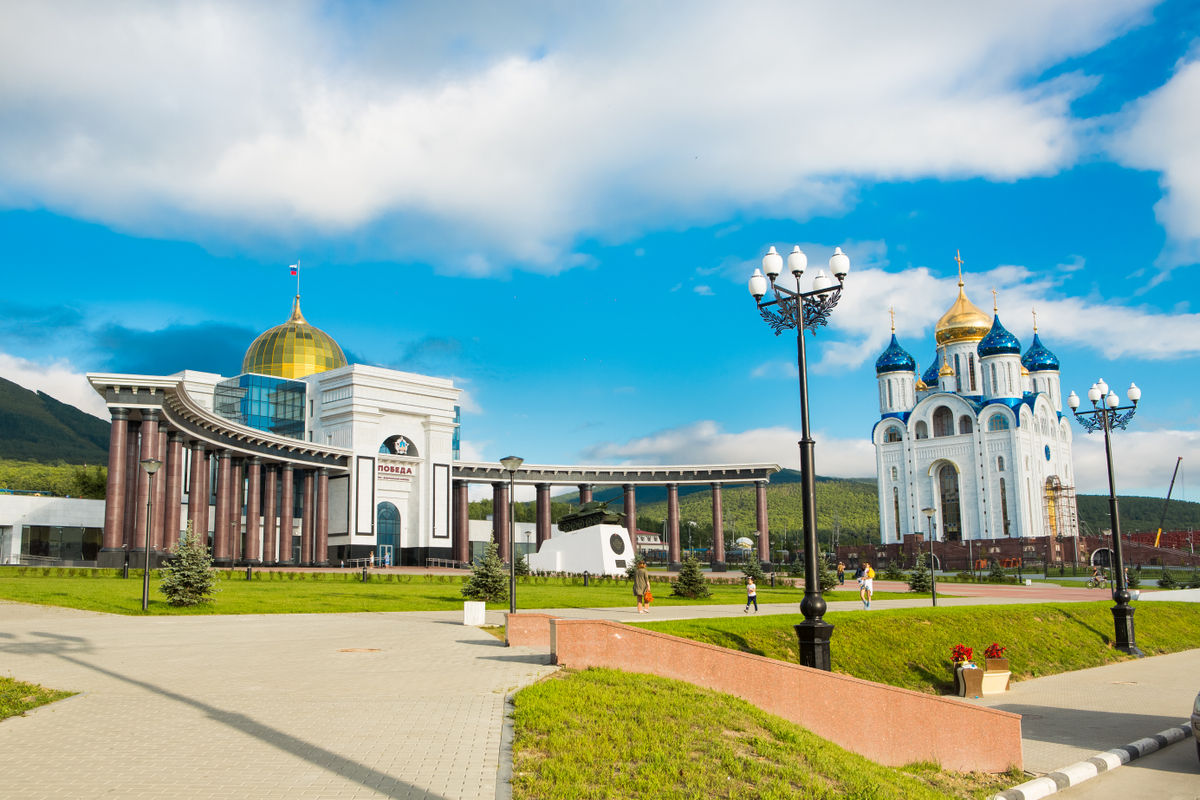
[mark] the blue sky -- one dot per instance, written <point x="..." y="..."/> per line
<point x="559" y="205"/>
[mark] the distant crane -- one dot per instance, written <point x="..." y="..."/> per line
<point x="1162" y="519"/>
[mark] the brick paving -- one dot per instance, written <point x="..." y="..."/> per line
<point x="380" y="705"/>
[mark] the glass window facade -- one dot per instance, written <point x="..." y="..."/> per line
<point x="455" y="442"/>
<point x="59" y="542"/>
<point x="274" y="405"/>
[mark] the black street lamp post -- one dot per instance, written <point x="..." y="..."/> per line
<point x="1108" y="413"/>
<point x="151" y="466"/>
<point x="929" y="512"/>
<point x="804" y="311"/>
<point x="512" y="464"/>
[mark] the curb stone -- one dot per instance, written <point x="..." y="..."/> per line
<point x="1087" y="769"/>
<point x="505" y="771"/>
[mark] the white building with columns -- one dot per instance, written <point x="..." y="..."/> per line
<point x="979" y="440"/>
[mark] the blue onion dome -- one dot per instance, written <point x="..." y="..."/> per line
<point x="930" y="378"/>
<point x="998" y="341"/>
<point x="895" y="359"/>
<point x="1037" y="358"/>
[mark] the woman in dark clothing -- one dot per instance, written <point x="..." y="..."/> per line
<point x="641" y="585"/>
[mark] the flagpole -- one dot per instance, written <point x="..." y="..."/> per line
<point x="297" y="277"/>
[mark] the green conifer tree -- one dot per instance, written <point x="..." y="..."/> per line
<point x="691" y="581"/>
<point x="188" y="578"/>
<point x="828" y="578"/>
<point x="489" y="578"/>
<point x="919" y="580"/>
<point x="753" y="569"/>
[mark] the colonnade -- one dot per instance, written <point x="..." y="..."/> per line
<point x="254" y="503"/>
<point x="500" y="518"/>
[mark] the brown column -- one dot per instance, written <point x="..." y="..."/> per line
<point x="237" y="503"/>
<point x="321" y="557"/>
<point x="672" y="531"/>
<point x="306" y="520"/>
<point x="462" y="523"/>
<point x="760" y="520"/>
<point x="198" y="492"/>
<point x="500" y="518"/>
<point x="631" y="514"/>
<point x="221" y="533"/>
<point x="270" y="508"/>
<point x="132" y="440"/>
<point x="148" y="449"/>
<point x="543" y="513"/>
<point x="585" y="493"/>
<point x="253" y="517"/>
<point x="158" y="524"/>
<point x="718" y="557"/>
<point x="173" y="504"/>
<point x="114" y="493"/>
<point x="287" y="503"/>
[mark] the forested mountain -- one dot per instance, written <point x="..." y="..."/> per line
<point x="36" y="427"/>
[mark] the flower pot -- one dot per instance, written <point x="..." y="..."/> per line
<point x="996" y="664"/>
<point x="994" y="682"/>
<point x="969" y="681"/>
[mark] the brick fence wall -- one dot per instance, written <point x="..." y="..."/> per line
<point x="886" y="724"/>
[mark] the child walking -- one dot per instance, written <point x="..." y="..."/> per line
<point x="751" y="596"/>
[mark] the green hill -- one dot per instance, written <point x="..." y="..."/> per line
<point x="36" y="427"/>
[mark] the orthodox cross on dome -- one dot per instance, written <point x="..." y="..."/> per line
<point x="995" y="306"/>
<point x="892" y="313"/>
<point x="1034" y="309"/>
<point x="958" y="257"/>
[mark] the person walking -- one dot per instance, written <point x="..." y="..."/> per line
<point x="841" y="574"/>
<point x="751" y="596"/>
<point x="641" y="585"/>
<point x="866" y="584"/>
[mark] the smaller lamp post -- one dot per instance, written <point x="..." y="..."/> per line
<point x="929" y="512"/>
<point x="512" y="464"/>
<point x="691" y="526"/>
<point x="151" y="466"/>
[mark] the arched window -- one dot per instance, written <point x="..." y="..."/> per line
<point x="948" y="487"/>
<point x="1000" y="463"/>
<point x="965" y="425"/>
<point x="896" y="508"/>
<point x="971" y="368"/>
<point x="891" y="402"/>
<point x="1004" y="500"/>
<point x="960" y="384"/>
<point x="398" y="446"/>
<point x="387" y="525"/>
<point x="943" y="421"/>
<point x="997" y="422"/>
<point x="995" y="386"/>
<point x="895" y="473"/>
<point x="892" y="434"/>
<point x="921" y="430"/>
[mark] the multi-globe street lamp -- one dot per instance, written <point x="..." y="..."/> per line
<point x="929" y="512"/>
<point x="1108" y="413"/>
<point x="804" y="311"/>
<point x="512" y="464"/>
<point x="151" y="466"/>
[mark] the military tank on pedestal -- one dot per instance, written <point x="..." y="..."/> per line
<point x="591" y="513"/>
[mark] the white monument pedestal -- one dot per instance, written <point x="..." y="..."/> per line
<point x="473" y="612"/>
<point x="598" y="549"/>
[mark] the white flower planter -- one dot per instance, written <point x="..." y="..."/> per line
<point x="473" y="612"/>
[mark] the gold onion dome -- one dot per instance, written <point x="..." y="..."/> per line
<point x="963" y="322"/>
<point x="294" y="349"/>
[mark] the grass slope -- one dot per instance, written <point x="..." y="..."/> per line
<point x="607" y="734"/>
<point x="910" y="647"/>
<point x="336" y="592"/>
<point x="17" y="697"/>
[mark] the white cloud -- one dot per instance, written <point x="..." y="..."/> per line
<point x="1142" y="460"/>
<point x="521" y="131"/>
<point x="703" y="290"/>
<point x="705" y="442"/>
<point x="1159" y="132"/>
<point x="59" y="379"/>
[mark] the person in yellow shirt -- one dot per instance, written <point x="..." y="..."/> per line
<point x="866" y="585"/>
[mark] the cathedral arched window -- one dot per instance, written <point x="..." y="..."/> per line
<point x="1004" y="504"/>
<point x="896" y="509"/>
<point x="997" y="422"/>
<point x="889" y="390"/>
<point x="943" y="421"/>
<point x="1000" y="463"/>
<point x="921" y="430"/>
<point x="892" y="434"/>
<point x="964" y="424"/>
<point x="971" y="369"/>
<point x="995" y="386"/>
<point x="895" y="473"/>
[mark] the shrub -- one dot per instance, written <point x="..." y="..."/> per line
<point x="1134" y="581"/>
<point x="489" y="579"/>
<point x="996" y="574"/>
<point x="893" y="572"/>
<point x="521" y="567"/>
<point x="691" y="581"/>
<point x="795" y="569"/>
<point x="920" y="579"/>
<point x="188" y="578"/>
<point x="753" y="569"/>
<point x="827" y="578"/>
<point x="1167" y="580"/>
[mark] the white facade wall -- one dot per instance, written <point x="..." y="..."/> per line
<point x="17" y="511"/>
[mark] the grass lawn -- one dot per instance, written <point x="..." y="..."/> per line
<point x="608" y="734"/>
<point x="17" y="697"/>
<point x="330" y="592"/>
<point x="910" y="647"/>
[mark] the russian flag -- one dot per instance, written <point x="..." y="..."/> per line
<point x="294" y="267"/>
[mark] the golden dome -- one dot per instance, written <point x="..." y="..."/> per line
<point x="945" y="370"/>
<point x="293" y="350"/>
<point x="963" y="322"/>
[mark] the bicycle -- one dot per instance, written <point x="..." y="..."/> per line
<point x="1097" y="583"/>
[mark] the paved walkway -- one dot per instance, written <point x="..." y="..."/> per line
<point x="392" y="705"/>
<point x="381" y="705"/>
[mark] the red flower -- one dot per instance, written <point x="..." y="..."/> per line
<point x="961" y="653"/>
<point x="995" y="650"/>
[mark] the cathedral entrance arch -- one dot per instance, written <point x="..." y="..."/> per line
<point x="945" y="477"/>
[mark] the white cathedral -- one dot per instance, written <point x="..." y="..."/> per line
<point x="977" y="448"/>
